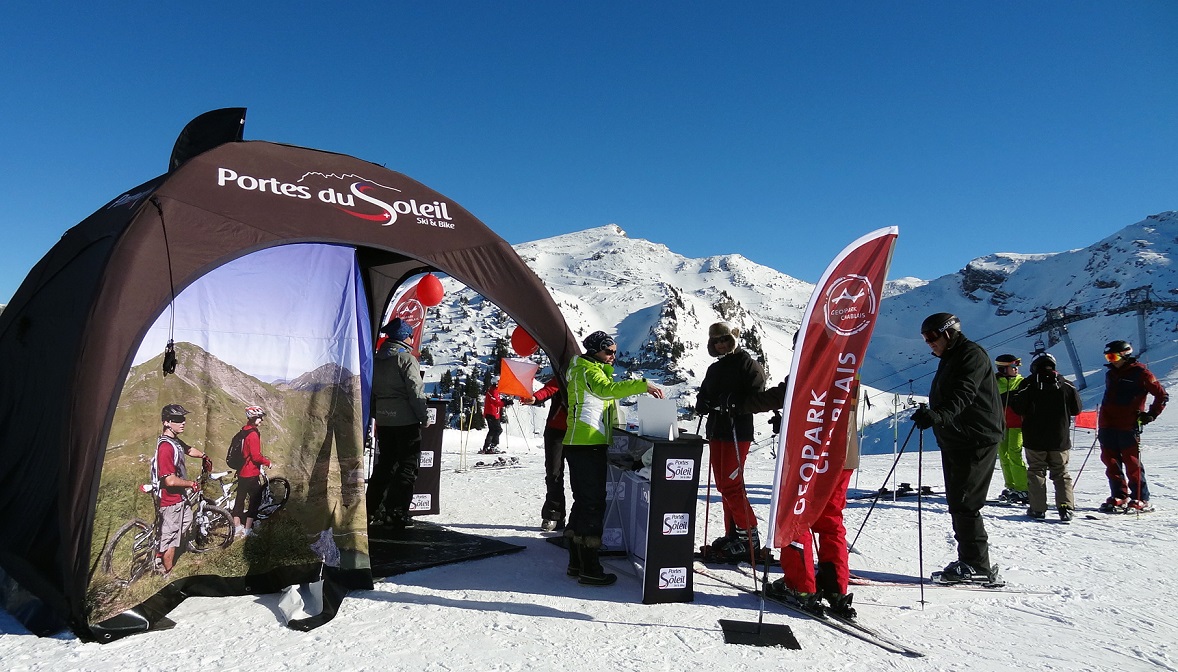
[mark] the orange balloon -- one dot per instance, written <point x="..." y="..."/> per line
<point x="523" y="343"/>
<point x="429" y="290"/>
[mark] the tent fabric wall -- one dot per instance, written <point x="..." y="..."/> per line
<point x="68" y="336"/>
<point x="251" y="332"/>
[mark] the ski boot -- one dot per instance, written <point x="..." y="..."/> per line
<point x="592" y="573"/>
<point x="959" y="572"/>
<point x="1114" y="505"/>
<point x="574" y="568"/>
<point x="712" y="552"/>
<point x="1066" y="514"/>
<point x="810" y="603"/>
<point x="1138" y="506"/>
<point x="740" y="547"/>
<point x="1036" y="515"/>
<point x="840" y="604"/>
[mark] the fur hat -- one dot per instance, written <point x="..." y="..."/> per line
<point x="722" y="329"/>
<point x="718" y="332"/>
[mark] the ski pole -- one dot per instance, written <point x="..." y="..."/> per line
<point x="707" y="508"/>
<point x="875" y="500"/>
<point x="1077" y="478"/>
<point x="919" y="513"/>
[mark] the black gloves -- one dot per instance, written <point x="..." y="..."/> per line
<point x="775" y="422"/>
<point x="1145" y="418"/>
<point x="924" y="417"/>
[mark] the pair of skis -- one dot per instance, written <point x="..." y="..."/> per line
<point x="844" y="625"/>
<point x="501" y="463"/>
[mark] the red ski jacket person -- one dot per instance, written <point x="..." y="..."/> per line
<point x="493" y="403"/>
<point x="1122" y="414"/>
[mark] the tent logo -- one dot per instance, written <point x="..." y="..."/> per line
<point x="850" y="304"/>
<point x="366" y="199"/>
<point x="351" y="194"/>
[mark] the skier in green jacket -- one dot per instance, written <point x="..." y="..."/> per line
<point x="1010" y="449"/>
<point x="592" y="415"/>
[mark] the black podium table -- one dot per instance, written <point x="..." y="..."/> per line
<point x="653" y="517"/>
<point x="429" y="473"/>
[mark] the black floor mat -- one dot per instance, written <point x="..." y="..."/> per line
<point x="427" y="545"/>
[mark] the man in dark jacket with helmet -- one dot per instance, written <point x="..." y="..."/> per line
<point x="1047" y="402"/>
<point x="1122" y="415"/>
<point x="965" y="415"/>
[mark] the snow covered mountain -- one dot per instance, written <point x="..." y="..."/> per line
<point x="659" y="304"/>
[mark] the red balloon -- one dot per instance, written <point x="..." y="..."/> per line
<point x="523" y="343"/>
<point x="429" y="290"/>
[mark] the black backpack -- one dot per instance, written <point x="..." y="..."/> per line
<point x="235" y="458"/>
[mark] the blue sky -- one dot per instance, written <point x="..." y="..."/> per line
<point x="780" y="131"/>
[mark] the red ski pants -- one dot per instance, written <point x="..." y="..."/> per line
<point x="797" y="558"/>
<point x="728" y="472"/>
<point x="1120" y="450"/>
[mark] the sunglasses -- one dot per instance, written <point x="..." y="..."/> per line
<point x="932" y="339"/>
<point x="177" y="419"/>
<point x="611" y="353"/>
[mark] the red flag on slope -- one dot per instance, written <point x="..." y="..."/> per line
<point x="411" y="310"/>
<point x="1086" y="420"/>
<point x="828" y="355"/>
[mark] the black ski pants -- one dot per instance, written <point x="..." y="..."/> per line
<point x="494" y="429"/>
<point x="587" y="479"/>
<point x="967" y="481"/>
<point x="396" y="469"/>
<point x="554" y="503"/>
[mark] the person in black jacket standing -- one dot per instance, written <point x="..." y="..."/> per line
<point x="1047" y="402"/>
<point x="967" y="418"/>
<point x="733" y="376"/>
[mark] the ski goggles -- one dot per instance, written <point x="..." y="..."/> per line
<point x="1009" y="365"/>
<point x="1113" y="356"/>
<point x="176" y="418"/>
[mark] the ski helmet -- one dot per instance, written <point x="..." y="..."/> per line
<point x="1121" y="348"/>
<point x="173" y="411"/>
<point x="252" y="412"/>
<point x="1008" y="360"/>
<point x="1044" y="362"/>
<point x="938" y="323"/>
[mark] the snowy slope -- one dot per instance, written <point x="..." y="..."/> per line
<point x="1104" y="595"/>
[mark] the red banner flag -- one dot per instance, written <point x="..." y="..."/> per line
<point x="828" y="355"/>
<point x="412" y="312"/>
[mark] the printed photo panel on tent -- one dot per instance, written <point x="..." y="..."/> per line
<point x="286" y="329"/>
